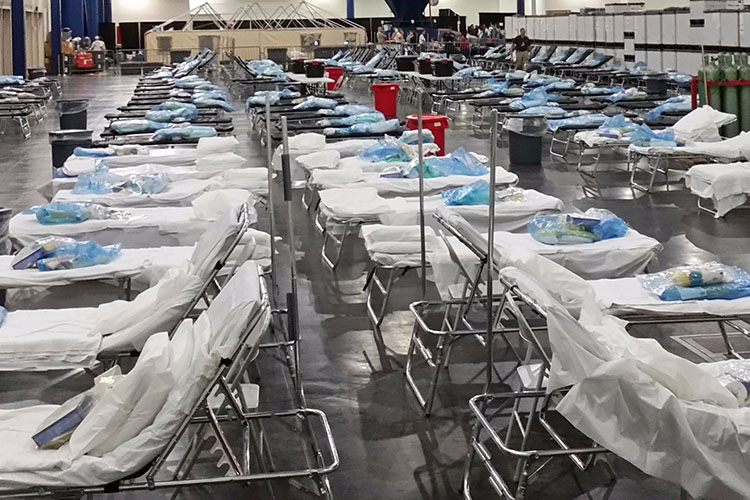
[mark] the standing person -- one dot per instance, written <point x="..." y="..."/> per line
<point x="521" y="44"/>
<point x="380" y="36"/>
<point x="422" y="38"/>
<point x="398" y="36"/>
<point x="410" y="37"/>
<point x="99" y="52"/>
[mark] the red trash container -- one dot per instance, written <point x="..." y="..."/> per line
<point x="386" y="98"/>
<point x="334" y="73"/>
<point x="435" y="123"/>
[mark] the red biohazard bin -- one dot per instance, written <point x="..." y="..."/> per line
<point x="435" y="123"/>
<point x="334" y="73"/>
<point x="386" y="98"/>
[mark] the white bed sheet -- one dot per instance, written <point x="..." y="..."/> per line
<point x="726" y="184"/>
<point x="592" y="139"/>
<point x="142" y="264"/>
<point x="76" y="165"/>
<point x="179" y="193"/>
<point x="736" y="148"/>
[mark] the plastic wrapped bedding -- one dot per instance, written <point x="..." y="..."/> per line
<point x="354" y="177"/>
<point x="702" y="125"/>
<point x="681" y="424"/>
<point x="146" y="227"/>
<point x="509" y="216"/>
<point x="677" y="104"/>
<point x="727" y="185"/>
<point x="548" y="111"/>
<point x="594" y="138"/>
<point x="177" y="194"/>
<point x="381" y="127"/>
<point x="594" y="119"/>
<point x="609" y="258"/>
<point x="191" y="358"/>
<point x="76" y="165"/>
<point x="737" y="147"/>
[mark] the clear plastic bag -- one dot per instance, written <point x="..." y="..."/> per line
<point x="388" y="149"/>
<point x="708" y="281"/>
<point x="411" y="137"/>
<point x="347" y="110"/>
<point x="677" y="104"/>
<point x="56" y="429"/>
<point x="626" y="95"/>
<point x="478" y="193"/>
<point x="215" y="102"/>
<point x="532" y="99"/>
<point x="589" y="120"/>
<point x="550" y="110"/>
<point x="734" y="375"/>
<point x="260" y="100"/>
<point x="163" y="114"/>
<point x="364" y="129"/>
<point x="313" y="102"/>
<point x="459" y="162"/>
<point x="135" y="126"/>
<point x="618" y="125"/>
<point x="178" y="133"/>
<point x="595" y="224"/>
<point x="11" y="80"/>
<point x="592" y="89"/>
<point x="92" y="152"/>
<point x="55" y="253"/>
<point x="99" y="182"/>
<point x="61" y="212"/>
<point x="347" y="121"/>
<point x="645" y="137"/>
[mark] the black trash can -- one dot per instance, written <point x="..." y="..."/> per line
<point x="405" y="63"/>
<point x="425" y="67"/>
<point x="65" y="141"/>
<point x="525" y="133"/>
<point x="656" y="84"/>
<point x="72" y="113"/>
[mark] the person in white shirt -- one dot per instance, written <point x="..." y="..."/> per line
<point x="98" y="45"/>
<point x="422" y="38"/>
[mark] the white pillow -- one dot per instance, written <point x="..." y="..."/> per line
<point x="220" y="161"/>
<point x="327" y="158"/>
<point x="131" y="405"/>
<point x="213" y="204"/>
<point x="210" y="145"/>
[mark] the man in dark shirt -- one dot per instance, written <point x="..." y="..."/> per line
<point x="521" y="44"/>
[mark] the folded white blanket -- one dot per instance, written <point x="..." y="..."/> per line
<point x="719" y="181"/>
<point x="382" y="239"/>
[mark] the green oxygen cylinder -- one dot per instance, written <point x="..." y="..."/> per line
<point x="701" y="80"/>
<point x="744" y="74"/>
<point x="713" y="72"/>
<point x="730" y="101"/>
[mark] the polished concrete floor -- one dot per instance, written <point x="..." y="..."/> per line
<point x="389" y="451"/>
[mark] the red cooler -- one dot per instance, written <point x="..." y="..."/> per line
<point x="435" y="123"/>
<point x="386" y="98"/>
<point x="334" y="73"/>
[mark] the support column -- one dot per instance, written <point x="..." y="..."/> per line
<point x="107" y="11"/>
<point x="350" y="9"/>
<point x="72" y="16"/>
<point x="55" y="17"/>
<point x="18" y="36"/>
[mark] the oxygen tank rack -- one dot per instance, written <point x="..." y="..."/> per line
<point x="712" y="83"/>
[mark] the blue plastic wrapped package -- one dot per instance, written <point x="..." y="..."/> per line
<point x="476" y="193"/>
<point x="459" y="162"/>
<point x="265" y="67"/>
<point x="595" y="61"/>
<point x="313" y="102"/>
<point x="576" y="57"/>
<point x="177" y="133"/>
<point x="55" y="253"/>
<point x="347" y="110"/>
<point x="77" y="254"/>
<point x="541" y="82"/>
<point x="560" y="85"/>
<point x="592" y="89"/>
<point x="411" y="137"/>
<point x="151" y="183"/>
<point x="135" y="126"/>
<point x="346" y="121"/>
<point x="388" y="149"/>
<point x="710" y="281"/>
<point x="550" y="110"/>
<point x="590" y="120"/>
<point x="11" y="80"/>
<point x="534" y="98"/>
<point x="207" y="87"/>
<point x="681" y="79"/>
<point x="593" y="225"/>
<point x="99" y="182"/>
<point x="190" y="84"/>
<point x="215" y="102"/>
<point x="364" y="129"/>
<point x="219" y="95"/>
<point x="92" y="152"/>
<point x="185" y="111"/>
<point x="3" y="315"/>
<point x="627" y="95"/>
<point x="61" y="212"/>
<point x="617" y="125"/>
<point x="676" y="105"/>
<point x="257" y="101"/>
<point x="495" y="89"/>
<point x="645" y="137"/>
<point x="375" y="60"/>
